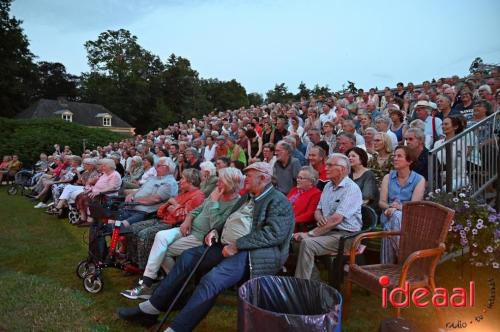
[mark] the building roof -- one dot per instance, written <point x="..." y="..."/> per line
<point x="83" y="113"/>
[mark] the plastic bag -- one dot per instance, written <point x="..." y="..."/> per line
<point x="288" y="304"/>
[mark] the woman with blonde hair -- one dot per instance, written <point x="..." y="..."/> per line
<point x="381" y="162"/>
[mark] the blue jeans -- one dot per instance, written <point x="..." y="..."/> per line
<point x="225" y="273"/>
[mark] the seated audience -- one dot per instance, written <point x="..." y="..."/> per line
<point x="172" y="242"/>
<point x="261" y="238"/>
<point x="338" y="213"/>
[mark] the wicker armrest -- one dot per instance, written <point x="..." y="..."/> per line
<point x="367" y="235"/>
<point x="420" y="254"/>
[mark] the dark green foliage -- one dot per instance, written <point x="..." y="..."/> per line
<point x="18" y="72"/>
<point x="55" y="82"/>
<point x="255" y="99"/>
<point x="28" y="138"/>
<point x="279" y="94"/>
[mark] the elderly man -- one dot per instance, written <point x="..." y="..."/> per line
<point x="415" y="141"/>
<point x="382" y="124"/>
<point x="170" y="243"/>
<point x="148" y="198"/>
<point x="349" y="127"/>
<point x="345" y="142"/>
<point x="296" y="152"/>
<point x="433" y="130"/>
<point x="314" y="136"/>
<point x="286" y="168"/>
<point x="338" y="214"/>
<point x="254" y="242"/>
<point x="317" y="161"/>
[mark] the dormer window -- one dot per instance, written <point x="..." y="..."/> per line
<point x="106" y="119"/>
<point x="66" y="115"/>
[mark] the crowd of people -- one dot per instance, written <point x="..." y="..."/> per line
<point x="255" y="178"/>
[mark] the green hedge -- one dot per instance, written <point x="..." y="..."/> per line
<point x="29" y="138"/>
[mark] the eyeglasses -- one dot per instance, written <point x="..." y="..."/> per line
<point x="302" y="178"/>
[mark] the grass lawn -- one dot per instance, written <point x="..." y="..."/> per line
<point x="40" y="291"/>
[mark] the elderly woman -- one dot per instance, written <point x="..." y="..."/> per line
<point x="369" y="134"/>
<point x="381" y="163"/>
<point x="149" y="169"/>
<point x="171" y="213"/>
<point x="68" y="175"/>
<point x="86" y="180"/>
<point x="304" y="197"/>
<point x="208" y="177"/>
<point x="312" y="121"/>
<point x="399" y="186"/>
<point x="109" y="181"/>
<point x="133" y="174"/>
<point x="172" y="242"/>
<point x="363" y="176"/>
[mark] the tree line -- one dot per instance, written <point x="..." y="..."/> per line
<point x="127" y="79"/>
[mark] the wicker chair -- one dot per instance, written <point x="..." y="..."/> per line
<point x="424" y="228"/>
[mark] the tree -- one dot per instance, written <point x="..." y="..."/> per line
<point x="255" y="99"/>
<point x="224" y="95"/>
<point x="18" y="72"/>
<point x="181" y="88"/>
<point x="304" y="92"/>
<point x="279" y="94"/>
<point x="321" y="91"/>
<point x="124" y="77"/>
<point x="55" y="82"/>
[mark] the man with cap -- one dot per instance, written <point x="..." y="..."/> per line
<point x="433" y="123"/>
<point x="254" y="242"/>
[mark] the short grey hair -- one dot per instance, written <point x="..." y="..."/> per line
<point x="76" y="158"/>
<point x="383" y="119"/>
<point x="232" y="177"/>
<point x="312" y="173"/>
<point x="287" y="146"/>
<point x="419" y="133"/>
<point x="417" y="123"/>
<point x="208" y="166"/>
<point x="169" y="162"/>
<point x="193" y="176"/>
<point x="291" y="140"/>
<point x="193" y="151"/>
<point x="108" y="162"/>
<point x="372" y="130"/>
<point x="343" y="161"/>
<point x="348" y="135"/>
<point x="137" y="160"/>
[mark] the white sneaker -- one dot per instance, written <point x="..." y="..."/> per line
<point x="40" y="205"/>
<point x="50" y="204"/>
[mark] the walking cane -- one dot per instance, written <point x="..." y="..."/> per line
<point x="185" y="284"/>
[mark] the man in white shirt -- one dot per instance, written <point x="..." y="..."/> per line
<point x="328" y="115"/>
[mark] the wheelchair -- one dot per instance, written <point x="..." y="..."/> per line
<point x="21" y="182"/>
<point x="100" y="256"/>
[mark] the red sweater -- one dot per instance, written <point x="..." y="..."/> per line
<point x="305" y="206"/>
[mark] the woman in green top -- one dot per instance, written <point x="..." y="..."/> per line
<point x="234" y="151"/>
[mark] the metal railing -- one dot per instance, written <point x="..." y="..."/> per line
<point x="470" y="159"/>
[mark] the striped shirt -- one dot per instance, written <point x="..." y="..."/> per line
<point x="344" y="199"/>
